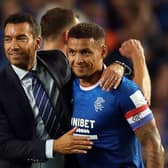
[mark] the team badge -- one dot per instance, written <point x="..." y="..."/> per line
<point x="98" y="104"/>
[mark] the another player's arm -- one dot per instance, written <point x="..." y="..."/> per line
<point x="151" y="142"/>
<point x="133" y="49"/>
<point x="141" y="76"/>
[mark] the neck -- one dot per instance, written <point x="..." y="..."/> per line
<point x="54" y="44"/>
<point x="91" y="80"/>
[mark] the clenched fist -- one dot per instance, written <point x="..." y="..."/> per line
<point x="132" y="49"/>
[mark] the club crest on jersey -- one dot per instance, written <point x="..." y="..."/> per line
<point x="98" y="104"/>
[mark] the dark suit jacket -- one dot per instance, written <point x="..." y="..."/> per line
<point x="19" y="147"/>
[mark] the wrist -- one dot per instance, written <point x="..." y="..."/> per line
<point x="138" y="56"/>
<point x="121" y="64"/>
<point x="55" y="146"/>
<point x="127" y="69"/>
<point x="139" y="60"/>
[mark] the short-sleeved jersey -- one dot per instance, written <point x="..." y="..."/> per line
<point x="109" y="119"/>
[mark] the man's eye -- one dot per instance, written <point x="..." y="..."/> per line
<point x="22" y="39"/>
<point x="71" y="52"/>
<point x="7" y="39"/>
<point x="85" y="52"/>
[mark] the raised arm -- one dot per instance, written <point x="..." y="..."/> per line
<point x="133" y="49"/>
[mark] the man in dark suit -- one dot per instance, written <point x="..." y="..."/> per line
<point x="24" y="138"/>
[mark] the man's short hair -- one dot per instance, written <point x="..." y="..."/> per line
<point x="87" y="30"/>
<point x="24" y="18"/>
<point x="55" y="21"/>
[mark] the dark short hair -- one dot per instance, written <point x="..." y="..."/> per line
<point x="87" y="30"/>
<point x="56" y="20"/>
<point x="27" y="18"/>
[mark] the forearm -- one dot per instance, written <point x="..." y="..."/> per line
<point x="154" y="155"/>
<point x="133" y="49"/>
<point x="150" y="139"/>
<point x="141" y="77"/>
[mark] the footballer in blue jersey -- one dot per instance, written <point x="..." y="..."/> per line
<point x="119" y="122"/>
<point x="109" y="119"/>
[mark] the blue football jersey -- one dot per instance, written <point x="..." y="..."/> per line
<point x="109" y="119"/>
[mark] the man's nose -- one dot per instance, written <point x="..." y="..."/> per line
<point x="78" y="58"/>
<point x="14" y="44"/>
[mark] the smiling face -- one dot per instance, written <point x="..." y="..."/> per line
<point x="86" y="57"/>
<point x="20" y="45"/>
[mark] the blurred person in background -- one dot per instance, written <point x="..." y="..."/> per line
<point x="159" y="102"/>
<point x="33" y="7"/>
<point x="135" y="19"/>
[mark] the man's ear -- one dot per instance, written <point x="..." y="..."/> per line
<point x="65" y="36"/>
<point x="104" y="51"/>
<point x="38" y="42"/>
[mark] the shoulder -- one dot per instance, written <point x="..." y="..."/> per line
<point x="53" y="57"/>
<point x="57" y="64"/>
<point x="128" y="85"/>
<point x="4" y="72"/>
<point x="127" y="89"/>
<point x="6" y="76"/>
